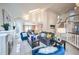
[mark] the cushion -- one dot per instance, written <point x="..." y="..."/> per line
<point x="49" y="36"/>
<point x="43" y="34"/>
<point x="24" y="34"/>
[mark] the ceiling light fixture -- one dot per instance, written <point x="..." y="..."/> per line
<point x="26" y="17"/>
<point x="34" y="10"/>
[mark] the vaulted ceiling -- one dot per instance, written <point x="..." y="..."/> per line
<point x="18" y="9"/>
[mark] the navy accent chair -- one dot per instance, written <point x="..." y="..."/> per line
<point x="24" y="36"/>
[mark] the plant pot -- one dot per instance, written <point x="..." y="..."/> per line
<point x="6" y="28"/>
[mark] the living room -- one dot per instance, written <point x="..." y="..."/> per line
<point x="58" y="19"/>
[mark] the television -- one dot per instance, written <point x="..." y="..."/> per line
<point x="52" y="26"/>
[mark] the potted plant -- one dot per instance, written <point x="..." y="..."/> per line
<point x="6" y="26"/>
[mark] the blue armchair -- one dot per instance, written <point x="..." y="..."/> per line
<point x="24" y="36"/>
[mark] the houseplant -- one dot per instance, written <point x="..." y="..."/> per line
<point x="6" y="26"/>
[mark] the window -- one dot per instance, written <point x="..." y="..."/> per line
<point x="28" y="27"/>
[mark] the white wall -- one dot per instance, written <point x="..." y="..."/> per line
<point x="1" y="22"/>
<point x="19" y="25"/>
<point x="51" y="19"/>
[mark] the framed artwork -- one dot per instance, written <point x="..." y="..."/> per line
<point x="7" y="19"/>
<point x="6" y="16"/>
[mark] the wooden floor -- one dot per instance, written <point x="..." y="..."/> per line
<point x="23" y="48"/>
<point x="71" y="50"/>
